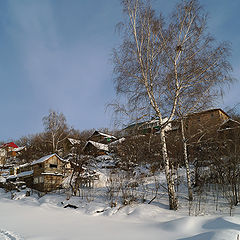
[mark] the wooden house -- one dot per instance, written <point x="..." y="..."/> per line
<point x="95" y="148"/>
<point x="6" y="151"/>
<point x="48" y="172"/>
<point x="195" y="124"/>
<point x="9" y="147"/>
<point x="102" y="138"/>
<point x="71" y="144"/>
<point x="205" y="124"/>
<point x="45" y="174"/>
<point x="146" y="127"/>
<point x="229" y="130"/>
<point x="9" y="150"/>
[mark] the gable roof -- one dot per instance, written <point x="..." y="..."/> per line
<point x="18" y="149"/>
<point x="229" y="124"/>
<point x="22" y="174"/>
<point x="99" y="146"/>
<point x="74" y="141"/>
<point x="9" y="144"/>
<point x="25" y="174"/>
<point x="146" y="124"/>
<point x="209" y="110"/>
<point x="45" y="158"/>
<point x="102" y="134"/>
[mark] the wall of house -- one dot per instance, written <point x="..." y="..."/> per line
<point x="46" y="183"/>
<point x="52" y="182"/>
<point x="92" y="150"/>
<point x="100" y="139"/>
<point x="3" y="155"/>
<point x="204" y="123"/>
<point x="52" y="165"/>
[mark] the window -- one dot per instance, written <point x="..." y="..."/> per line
<point x="35" y="180"/>
<point x="40" y="179"/>
<point x="53" y="165"/>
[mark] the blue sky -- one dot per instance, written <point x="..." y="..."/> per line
<point x="55" y="54"/>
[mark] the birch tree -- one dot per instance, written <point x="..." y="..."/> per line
<point x="56" y="129"/>
<point x="201" y="66"/>
<point x="161" y="62"/>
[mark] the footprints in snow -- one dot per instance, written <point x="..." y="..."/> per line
<point x="7" y="235"/>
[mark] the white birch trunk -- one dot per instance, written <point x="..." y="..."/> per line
<point x="185" y="154"/>
<point x="173" y="202"/>
<point x="53" y="143"/>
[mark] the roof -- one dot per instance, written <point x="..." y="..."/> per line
<point x="52" y="174"/>
<point x="118" y="141"/>
<point x="134" y="125"/>
<point x="74" y="141"/>
<point x="22" y="174"/>
<point x="144" y="125"/>
<point x="103" y="134"/>
<point x="99" y="146"/>
<point x="9" y="144"/>
<point x="12" y="177"/>
<point x="45" y="158"/>
<point x="138" y="125"/>
<point x="25" y="174"/>
<point x="210" y="110"/>
<point x="18" y="149"/>
<point x="24" y="165"/>
<point x="235" y="125"/>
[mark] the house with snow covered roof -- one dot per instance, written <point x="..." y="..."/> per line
<point x="45" y="174"/>
<point x="9" y="150"/>
<point x="70" y="144"/>
<point x="101" y="137"/>
<point x="95" y="148"/>
<point x="151" y="126"/>
<point x="48" y="172"/>
<point x="209" y="120"/>
<point x="98" y="143"/>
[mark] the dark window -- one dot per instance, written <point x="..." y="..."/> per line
<point x="53" y="165"/>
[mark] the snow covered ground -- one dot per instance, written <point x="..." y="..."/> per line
<point x="45" y="218"/>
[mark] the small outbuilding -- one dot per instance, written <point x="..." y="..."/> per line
<point x="48" y="172"/>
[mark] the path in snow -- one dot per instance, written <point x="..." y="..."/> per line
<point x="7" y="235"/>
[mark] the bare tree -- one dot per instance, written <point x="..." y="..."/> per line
<point x="56" y="127"/>
<point x="36" y="146"/>
<point x="158" y="64"/>
<point x="201" y="65"/>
